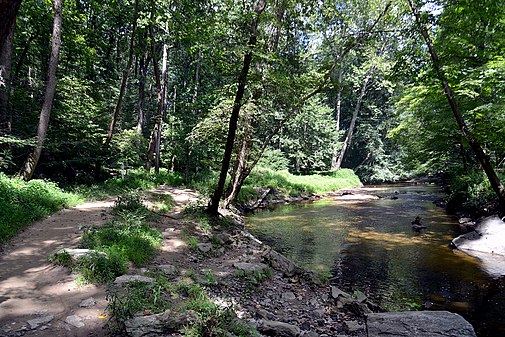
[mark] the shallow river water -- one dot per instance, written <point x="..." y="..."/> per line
<point x="370" y="246"/>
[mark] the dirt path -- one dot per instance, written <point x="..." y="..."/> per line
<point x="40" y="299"/>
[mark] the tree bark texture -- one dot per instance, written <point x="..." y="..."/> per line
<point x="338" y="106"/>
<point x="33" y="159"/>
<point x="232" y="127"/>
<point x="482" y="158"/>
<point x="124" y="79"/>
<point x="5" y="81"/>
<point x="8" y="11"/>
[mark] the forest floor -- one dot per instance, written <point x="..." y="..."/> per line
<point x="38" y="298"/>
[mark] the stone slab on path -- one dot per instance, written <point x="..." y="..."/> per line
<point x="418" y="323"/>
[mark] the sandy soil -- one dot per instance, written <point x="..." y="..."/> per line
<point x="41" y="299"/>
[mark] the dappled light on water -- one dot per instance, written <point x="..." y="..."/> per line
<point x="371" y="246"/>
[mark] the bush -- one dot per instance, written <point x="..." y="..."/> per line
<point x="25" y="202"/>
<point x="470" y="189"/>
<point x="101" y="268"/>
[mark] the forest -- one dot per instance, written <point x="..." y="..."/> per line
<point x="215" y="90"/>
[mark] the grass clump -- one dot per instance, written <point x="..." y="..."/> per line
<point x="253" y="279"/>
<point x="25" y="202"/>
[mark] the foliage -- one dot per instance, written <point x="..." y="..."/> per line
<point x="25" y="202"/>
<point x="135" y="240"/>
<point x="135" y="297"/>
<point x="100" y="268"/>
<point x="470" y="189"/>
<point x="293" y="185"/>
<point x="254" y="278"/>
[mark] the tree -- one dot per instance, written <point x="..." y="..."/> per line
<point x="32" y="160"/>
<point x="481" y="156"/>
<point x="8" y="11"/>
<point x="232" y="127"/>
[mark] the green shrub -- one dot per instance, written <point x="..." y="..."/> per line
<point x="25" y="202"/>
<point x="101" y="268"/>
<point x="136" y="241"/>
<point x="131" y="202"/>
<point x="470" y="188"/>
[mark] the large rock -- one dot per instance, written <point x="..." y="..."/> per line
<point x="279" y="329"/>
<point x="249" y="267"/>
<point x="281" y="263"/>
<point x="488" y="237"/>
<point x="132" y="278"/>
<point x="418" y="323"/>
<point x="486" y="243"/>
<point x="160" y="324"/>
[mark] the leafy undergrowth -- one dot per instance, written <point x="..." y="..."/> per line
<point x="178" y="296"/>
<point x="25" y="202"/>
<point x="288" y="184"/>
<point x="126" y="238"/>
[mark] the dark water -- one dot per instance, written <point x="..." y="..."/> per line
<point x="370" y="246"/>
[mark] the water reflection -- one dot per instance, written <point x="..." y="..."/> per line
<point x="371" y="246"/>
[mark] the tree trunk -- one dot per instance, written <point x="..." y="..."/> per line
<point x="5" y="82"/>
<point x="350" y="132"/>
<point x="151" y="151"/>
<point x="232" y="127"/>
<point x="32" y="160"/>
<point x="241" y="171"/>
<point x="144" y="64"/>
<point x="8" y="9"/>
<point x="124" y="79"/>
<point x="482" y="158"/>
<point x="338" y="106"/>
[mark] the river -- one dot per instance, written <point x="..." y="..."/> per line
<point x="370" y="246"/>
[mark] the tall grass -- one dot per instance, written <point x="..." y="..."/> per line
<point x="22" y="203"/>
<point x="293" y="185"/>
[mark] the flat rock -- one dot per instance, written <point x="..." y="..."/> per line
<point x="279" y="329"/>
<point x="132" y="278"/>
<point x="74" y="320"/>
<point x="205" y="247"/>
<point x="167" y="269"/>
<point x="336" y="293"/>
<point x="281" y="263"/>
<point x="89" y="302"/>
<point x="36" y="322"/>
<point x="160" y="324"/>
<point x="418" y="323"/>
<point x="249" y="267"/>
<point x="489" y="237"/>
<point x="288" y="296"/>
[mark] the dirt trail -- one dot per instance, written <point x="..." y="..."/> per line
<point x="40" y="299"/>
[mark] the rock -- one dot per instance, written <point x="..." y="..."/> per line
<point x="353" y="326"/>
<point x="89" y="302"/>
<point x="418" y="323"/>
<point x="264" y="314"/>
<point x="251" y="267"/>
<point x="281" y="263"/>
<point x="204" y="247"/>
<point x="486" y="243"/>
<point x="310" y="334"/>
<point x="224" y="238"/>
<point x="279" y="329"/>
<point x="288" y="296"/>
<point x="336" y="293"/>
<point x="132" y="278"/>
<point x="160" y="324"/>
<point x="360" y="297"/>
<point x="488" y="237"/>
<point x="464" y="220"/>
<point x="75" y="253"/>
<point x="167" y="269"/>
<point x="74" y="320"/>
<point x="36" y="322"/>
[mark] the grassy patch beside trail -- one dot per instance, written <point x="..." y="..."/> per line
<point x="22" y="203"/>
<point x="293" y="185"/>
<point x="136" y="179"/>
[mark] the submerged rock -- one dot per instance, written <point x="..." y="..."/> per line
<point x="418" y="323"/>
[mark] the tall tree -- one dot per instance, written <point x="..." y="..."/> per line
<point x="5" y="80"/>
<point x="124" y="79"/>
<point x="8" y="11"/>
<point x="32" y="160"/>
<point x="232" y="126"/>
<point x="481" y="156"/>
